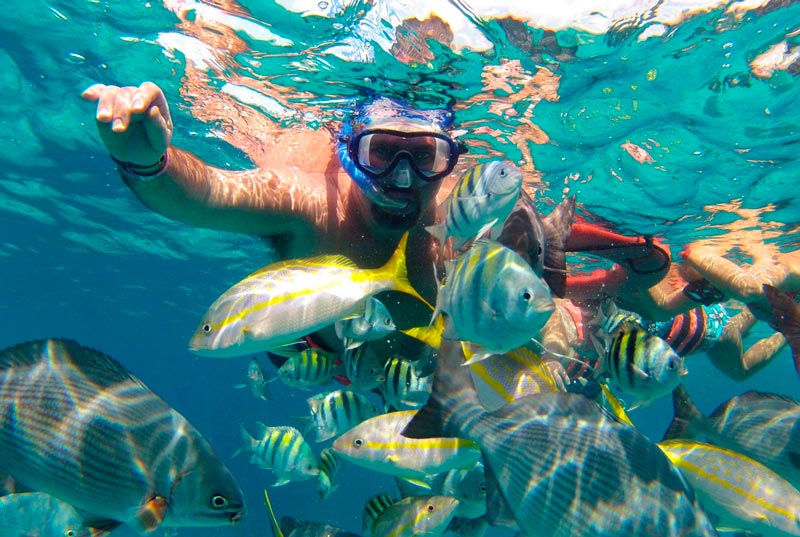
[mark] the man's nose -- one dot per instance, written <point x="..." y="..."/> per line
<point x="403" y="176"/>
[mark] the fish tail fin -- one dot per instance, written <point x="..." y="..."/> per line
<point x="453" y="399"/>
<point x="247" y="441"/>
<point x="557" y="229"/>
<point x="786" y="314"/>
<point x="396" y="270"/>
<point x="687" y="416"/>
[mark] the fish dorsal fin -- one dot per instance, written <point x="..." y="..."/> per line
<point x="99" y="367"/>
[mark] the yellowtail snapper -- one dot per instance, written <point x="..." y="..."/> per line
<point x="282" y="302"/>
<point x="642" y="364"/>
<point x="414" y="516"/>
<point x="560" y="463"/>
<point x="492" y="298"/>
<point x="123" y="454"/>
<point x="281" y="449"/>
<point x="378" y="445"/>
<point x="762" y="426"/>
<point x="481" y="200"/>
<point x="738" y="491"/>
<point x="334" y="413"/>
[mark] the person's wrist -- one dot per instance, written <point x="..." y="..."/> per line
<point x="143" y="172"/>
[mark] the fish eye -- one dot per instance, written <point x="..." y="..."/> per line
<point x="358" y="442"/>
<point x="207" y="328"/>
<point x="503" y="172"/>
<point x="69" y="533"/>
<point x="483" y="489"/>
<point x="219" y="502"/>
<point x="430" y="508"/>
<point x="526" y="296"/>
<point x="672" y="364"/>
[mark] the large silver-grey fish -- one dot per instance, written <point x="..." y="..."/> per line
<point x="492" y="298"/>
<point x="562" y="465"/>
<point x="78" y="426"/>
<point x="762" y="426"/>
<point x="37" y="514"/>
<point x="541" y="241"/>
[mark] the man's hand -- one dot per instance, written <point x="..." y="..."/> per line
<point x="134" y="123"/>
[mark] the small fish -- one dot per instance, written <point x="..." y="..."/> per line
<point x="481" y="200"/>
<point x="363" y="368"/>
<point x="404" y="388"/>
<point x="414" y="516"/>
<point x="334" y="413"/>
<point x="308" y="369"/>
<point x="282" y="302"/>
<point x="374" y="507"/>
<point x="280" y="449"/>
<point x="374" y="323"/>
<point x="740" y="492"/>
<point x="492" y="298"/>
<point x="466" y="484"/>
<point x="40" y="515"/>
<point x="786" y="314"/>
<point x="256" y="381"/>
<point x="123" y="454"/>
<point x="762" y="426"/>
<point x="378" y="445"/>
<point x="642" y="364"/>
<point x="328" y="466"/>
<point x="561" y="464"/>
<point x="541" y="241"/>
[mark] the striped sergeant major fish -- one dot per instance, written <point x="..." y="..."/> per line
<point x="282" y="302"/>
<point x="124" y="454"/>
<point x="334" y="413"/>
<point x="759" y="425"/>
<point x="492" y="298"/>
<point x="374" y="323"/>
<point x="328" y="466"/>
<point x="403" y="387"/>
<point x="290" y="527"/>
<point x="481" y="200"/>
<point x="642" y="364"/>
<point x="308" y="368"/>
<point x="374" y="507"/>
<point x="415" y="516"/>
<point x="738" y="491"/>
<point x="281" y="449"/>
<point x="363" y="368"/>
<point x="560" y="464"/>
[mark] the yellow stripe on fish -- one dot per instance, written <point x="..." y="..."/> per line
<point x="282" y="302"/>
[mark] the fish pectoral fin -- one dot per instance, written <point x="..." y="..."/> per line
<point x="100" y="527"/>
<point x="151" y="514"/>
<point x="640" y="373"/>
<point x="281" y="482"/>
<point x="417" y="482"/>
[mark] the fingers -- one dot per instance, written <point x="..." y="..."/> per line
<point x="120" y="106"/>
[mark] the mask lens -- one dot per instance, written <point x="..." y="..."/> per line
<point x="430" y="155"/>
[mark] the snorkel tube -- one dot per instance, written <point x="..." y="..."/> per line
<point x="374" y="114"/>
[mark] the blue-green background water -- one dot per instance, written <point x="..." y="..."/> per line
<point x="80" y="257"/>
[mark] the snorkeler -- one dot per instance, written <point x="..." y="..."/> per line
<point x="354" y="192"/>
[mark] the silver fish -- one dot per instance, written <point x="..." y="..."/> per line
<point x="374" y="323"/>
<point x="41" y="515"/>
<point x="492" y="298"/>
<point x="256" y="381"/>
<point x="93" y="435"/>
<point x="481" y="200"/>
<point x="762" y="426"/>
<point x="562" y="465"/>
<point x="466" y="484"/>
<point x="280" y="449"/>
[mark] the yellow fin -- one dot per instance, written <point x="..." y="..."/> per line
<point x="151" y="514"/>
<point x="276" y="529"/>
<point x="429" y="335"/>
<point x="395" y="271"/>
<point x="615" y="405"/>
<point x="417" y="482"/>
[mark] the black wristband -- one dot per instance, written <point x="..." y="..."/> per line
<point x="150" y="170"/>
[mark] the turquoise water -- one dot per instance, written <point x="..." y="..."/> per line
<point x="82" y="258"/>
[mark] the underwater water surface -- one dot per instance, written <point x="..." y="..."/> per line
<point x="673" y="121"/>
